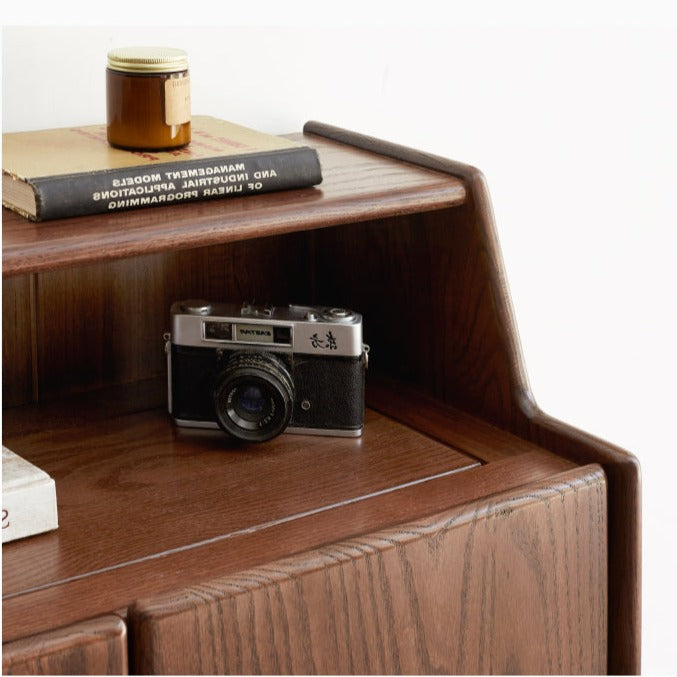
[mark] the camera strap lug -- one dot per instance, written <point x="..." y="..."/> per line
<point x="365" y="354"/>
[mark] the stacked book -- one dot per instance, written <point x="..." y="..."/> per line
<point x="58" y="173"/>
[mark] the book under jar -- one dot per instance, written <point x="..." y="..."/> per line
<point x="60" y="173"/>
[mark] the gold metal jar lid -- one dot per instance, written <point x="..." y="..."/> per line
<point x="148" y="60"/>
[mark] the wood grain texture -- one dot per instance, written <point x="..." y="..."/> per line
<point x="102" y="324"/>
<point x="18" y="341"/>
<point x="145" y="508"/>
<point x="134" y="488"/>
<point x="406" y="238"/>
<point x="356" y="186"/>
<point x="514" y="585"/>
<point x="625" y="531"/>
<point x="95" y="647"/>
<point x="170" y="487"/>
<point x="505" y="398"/>
<point x="423" y="285"/>
<point x="117" y="587"/>
<point x="421" y="411"/>
<point x="448" y="269"/>
<point x="69" y="600"/>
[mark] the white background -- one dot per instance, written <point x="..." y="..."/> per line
<point x="571" y="113"/>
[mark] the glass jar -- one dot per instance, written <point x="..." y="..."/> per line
<point x="148" y="98"/>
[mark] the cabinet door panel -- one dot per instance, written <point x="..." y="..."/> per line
<point x="96" y="647"/>
<point x="513" y="585"/>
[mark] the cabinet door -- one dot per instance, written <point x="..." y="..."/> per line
<point x="511" y="584"/>
<point x="96" y="647"/>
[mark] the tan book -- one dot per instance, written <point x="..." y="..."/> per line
<point x="73" y="171"/>
<point x="28" y="498"/>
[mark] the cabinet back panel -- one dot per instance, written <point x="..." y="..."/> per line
<point x="423" y="283"/>
<point x="102" y="324"/>
<point x="18" y="341"/>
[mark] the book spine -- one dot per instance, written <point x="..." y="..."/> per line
<point x="175" y="182"/>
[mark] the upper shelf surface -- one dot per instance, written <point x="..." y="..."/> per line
<point x="357" y="186"/>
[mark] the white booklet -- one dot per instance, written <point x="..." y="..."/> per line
<point x="28" y="498"/>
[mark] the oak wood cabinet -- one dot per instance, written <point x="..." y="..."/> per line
<point x="466" y="531"/>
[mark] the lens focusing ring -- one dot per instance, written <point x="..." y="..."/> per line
<point x="253" y="397"/>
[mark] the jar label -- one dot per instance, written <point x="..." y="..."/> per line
<point x="177" y="101"/>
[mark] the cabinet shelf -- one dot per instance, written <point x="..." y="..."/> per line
<point x="356" y="186"/>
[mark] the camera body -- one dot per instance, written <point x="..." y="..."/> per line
<point x="258" y="371"/>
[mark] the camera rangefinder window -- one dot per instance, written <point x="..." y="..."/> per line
<point x="219" y="331"/>
<point x="282" y="335"/>
<point x="257" y="372"/>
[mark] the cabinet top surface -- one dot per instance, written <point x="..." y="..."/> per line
<point x="145" y="507"/>
<point x="135" y="493"/>
<point x="357" y="186"/>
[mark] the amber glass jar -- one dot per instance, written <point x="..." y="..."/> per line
<point x="148" y="98"/>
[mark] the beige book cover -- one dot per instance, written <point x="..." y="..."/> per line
<point x="72" y="171"/>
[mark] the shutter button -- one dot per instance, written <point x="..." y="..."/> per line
<point x="339" y="313"/>
<point x="196" y="307"/>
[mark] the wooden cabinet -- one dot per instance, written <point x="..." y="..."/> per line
<point x="465" y="531"/>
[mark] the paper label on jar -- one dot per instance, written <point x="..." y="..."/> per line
<point x="177" y="101"/>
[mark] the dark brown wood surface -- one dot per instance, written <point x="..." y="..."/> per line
<point x="408" y="240"/>
<point x="356" y="186"/>
<point x="145" y="507"/>
<point x="446" y="272"/>
<point x="134" y="489"/>
<point x="172" y="488"/>
<point x="487" y="377"/>
<point x="103" y="324"/>
<point x="423" y="284"/>
<point x="94" y="647"/>
<point x="18" y="340"/>
<point x="625" y="531"/>
<point x="515" y="585"/>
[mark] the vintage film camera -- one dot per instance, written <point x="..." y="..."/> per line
<point x="258" y="371"/>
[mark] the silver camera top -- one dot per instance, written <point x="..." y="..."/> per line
<point x="315" y="330"/>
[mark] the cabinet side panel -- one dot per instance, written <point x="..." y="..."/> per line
<point x="510" y="405"/>
<point x="515" y="585"/>
<point x="96" y="647"/>
<point x="18" y="341"/>
<point x="424" y="285"/>
<point x="625" y="532"/>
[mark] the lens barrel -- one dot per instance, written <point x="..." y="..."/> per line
<point x="253" y="397"/>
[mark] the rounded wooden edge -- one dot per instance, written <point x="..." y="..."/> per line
<point x="625" y="532"/>
<point x="104" y="633"/>
<point x="511" y="500"/>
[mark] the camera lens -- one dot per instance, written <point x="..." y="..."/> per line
<point x="253" y="396"/>
<point x="250" y="401"/>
